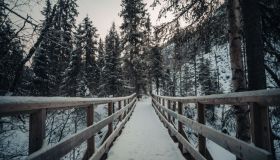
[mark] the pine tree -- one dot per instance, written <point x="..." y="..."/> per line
<point x="41" y="74"/>
<point x="112" y="75"/>
<point x="133" y="26"/>
<point x="71" y="75"/>
<point x="167" y="83"/>
<point x="148" y="52"/>
<point x="62" y="43"/>
<point x="81" y="71"/>
<point x="101" y="65"/>
<point x="188" y="80"/>
<point x="90" y="49"/>
<point x="208" y="86"/>
<point x="100" y="57"/>
<point x="205" y="77"/>
<point x="11" y="52"/>
<point x="156" y="67"/>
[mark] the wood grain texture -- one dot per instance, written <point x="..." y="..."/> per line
<point x="262" y="97"/>
<point x="239" y="148"/>
<point x="9" y="104"/>
<point x="67" y="144"/>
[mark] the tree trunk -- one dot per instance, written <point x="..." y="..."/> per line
<point x="256" y="73"/>
<point x="195" y="80"/>
<point x="20" y="67"/>
<point x="217" y="71"/>
<point x="157" y="86"/>
<point x="238" y="76"/>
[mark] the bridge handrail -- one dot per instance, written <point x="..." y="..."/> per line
<point x="243" y="150"/>
<point x="63" y="147"/>
<point x="108" y="142"/>
<point x="262" y="97"/>
<point x="180" y="137"/>
<point x="10" y="104"/>
<point x="229" y="143"/>
<point x="37" y="107"/>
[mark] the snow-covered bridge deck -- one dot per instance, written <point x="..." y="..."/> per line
<point x="144" y="137"/>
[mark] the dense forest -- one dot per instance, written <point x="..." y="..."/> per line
<point x="208" y="47"/>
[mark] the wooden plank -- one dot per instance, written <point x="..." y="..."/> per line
<point x="262" y="97"/>
<point x="106" y="145"/>
<point x="67" y="144"/>
<point x="239" y="148"/>
<point x="260" y="126"/>
<point x="180" y="138"/>
<point x="91" y="141"/>
<point x="37" y="127"/>
<point x="16" y="104"/>
<point x="201" y="120"/>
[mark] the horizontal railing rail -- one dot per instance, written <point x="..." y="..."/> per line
<point x="179" y="137"/>
<point x="38" y="106"/>
<point x="237" y="147"/>
<point x="262" y="97"/>
<point x="105" y="146"/>
<point x="10" y="104"/>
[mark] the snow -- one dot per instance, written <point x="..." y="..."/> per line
<point x="8" y="100"/>
<point x="219" y="153"/>
<point x="144" y="137"/>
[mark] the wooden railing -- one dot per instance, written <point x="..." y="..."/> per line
<point x="242" y="150"/>
<point x="37" y="107"/>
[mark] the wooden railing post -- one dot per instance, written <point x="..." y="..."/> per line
<point x="124" y="103"/>
<point x="128" y="101"/>
<point x="162" y="103"/>
<point x="91" y="140"/>
<point x="120" y="107"/>
<point x="113" y="108"/>
<point x="168" y="106"/>
<point x="201" y="119"/>
<point x="180" y="124"/>
<point x="260" y="128"/>
<point x="110" y="111"/>
<point x="163" y="112"/>
<point x="159" y="101"/>
<point x="174" y="109"/>
<point x="37" y="127"/>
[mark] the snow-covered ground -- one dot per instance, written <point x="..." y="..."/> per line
<point x="218" y="152"/>
<point x="144" y="137"/>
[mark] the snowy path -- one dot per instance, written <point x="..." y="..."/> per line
<point x="144" y="137"/>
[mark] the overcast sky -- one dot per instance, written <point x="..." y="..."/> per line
<point x="102" y="12"/>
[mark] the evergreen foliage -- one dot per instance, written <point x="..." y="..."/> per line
<point x="112" y="79"/>
<point x="11" y="52"/>
<point x="133" y="27"/>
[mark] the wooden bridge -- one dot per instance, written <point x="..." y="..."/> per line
<point x="169" y="111"/>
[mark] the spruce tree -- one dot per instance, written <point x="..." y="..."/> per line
<point x="11" y="52"/>
<point x="81" y="76"/>
<point x="71" y="75"/>
<point x="156" y="67"/>
<point x="90" y="50"/>
<point x="41" y="78"/>
<point x="100" y="57"/>
<point x="208" y="86"/>
<point x="101" y="65"/>
<point x="133" y="26"/>
<point x="62" y="41"/>
<point x="112" y="75"/>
